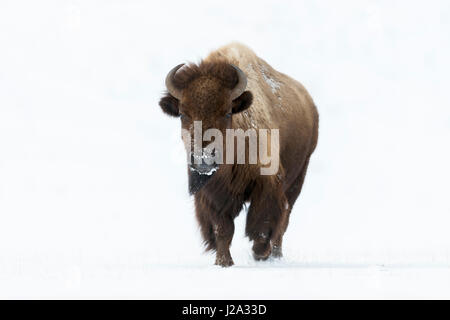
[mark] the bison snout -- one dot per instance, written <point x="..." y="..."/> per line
<point x="203" y="164"/>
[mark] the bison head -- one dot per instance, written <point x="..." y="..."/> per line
<point x="205" y="95"/>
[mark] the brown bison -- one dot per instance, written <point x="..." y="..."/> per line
<point x="235" y="89"/>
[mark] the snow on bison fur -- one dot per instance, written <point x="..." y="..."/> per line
<point x="235" y="89"/>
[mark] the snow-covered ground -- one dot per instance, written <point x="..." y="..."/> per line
<point x="93" y="190"/>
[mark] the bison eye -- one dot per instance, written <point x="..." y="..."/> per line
<point x="184" y="116"/>
<point x="228" y="115"/>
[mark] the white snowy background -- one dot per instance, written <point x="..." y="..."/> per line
<point x="93" y="189"/>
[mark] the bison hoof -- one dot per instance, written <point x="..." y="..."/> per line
<point x="277" y="252"/>
<point x="258" y="257"/>
<point x="261" y="250"/>
<point x="224" y="261"/>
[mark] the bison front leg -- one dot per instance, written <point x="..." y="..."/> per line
<point x="224" y="230"/>
<point x="264" y="221"/>
<point x="216" y="218"/>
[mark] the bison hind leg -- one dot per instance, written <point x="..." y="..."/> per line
<point x="292" y="194"/>
<point x="277" y="248"/>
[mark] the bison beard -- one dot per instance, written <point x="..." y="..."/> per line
<point x="216" y="88"/>
<point x="197" y="180"/>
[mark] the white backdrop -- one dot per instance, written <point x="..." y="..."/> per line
<point x="93" y="197"/>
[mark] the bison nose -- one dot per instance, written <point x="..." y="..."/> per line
<point x="203" y="165"/>
<point x="203" y="168"/>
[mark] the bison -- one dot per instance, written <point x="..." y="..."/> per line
<point x="235" y="89"/>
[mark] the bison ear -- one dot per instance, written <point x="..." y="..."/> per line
<point x="242" y="102"/>
<point x="169" y="105"/>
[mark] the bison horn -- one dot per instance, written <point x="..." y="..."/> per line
<point x="241" y="85"/>
<point x="169" y="82"/>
